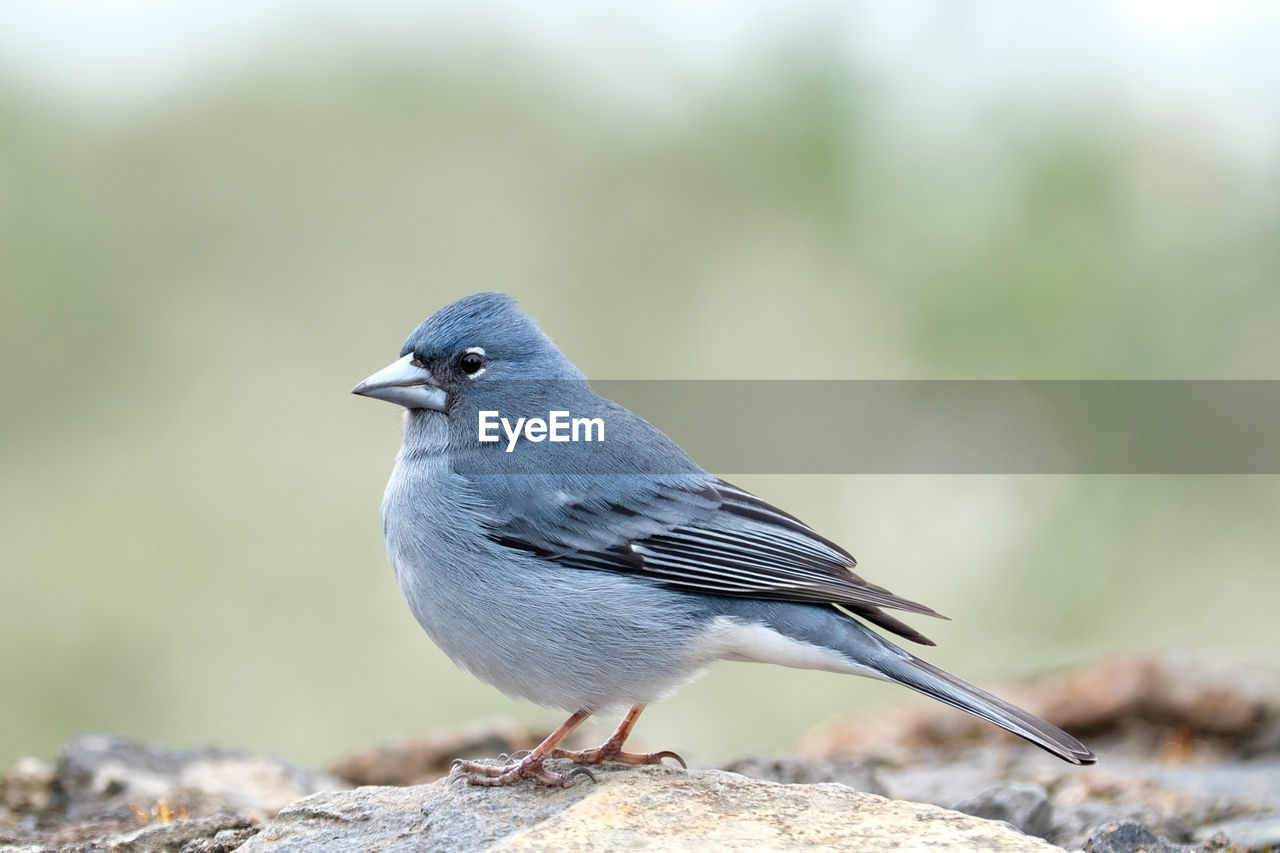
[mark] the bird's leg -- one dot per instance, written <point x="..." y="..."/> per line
<point x="611" y="750"/>
<point x="529" y="766"/>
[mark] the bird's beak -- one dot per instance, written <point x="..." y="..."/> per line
<point x="405" y="384"/>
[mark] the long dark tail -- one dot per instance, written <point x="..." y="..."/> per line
<point x="869" y="654"/>
<point x="928" y="679"/>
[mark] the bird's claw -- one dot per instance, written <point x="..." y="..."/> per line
<point x="605" y="755"/>
<point x="576" y="772"/>
<point x="495" y="775"/>
<point x="666" y="753"/>
<point x="469" y="770"/>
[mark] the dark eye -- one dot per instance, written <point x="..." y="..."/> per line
<point x="472" y="361"/>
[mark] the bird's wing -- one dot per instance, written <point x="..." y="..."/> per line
<point x="701" y="535"/>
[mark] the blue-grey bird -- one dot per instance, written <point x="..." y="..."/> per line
<point x="601" y="575"/>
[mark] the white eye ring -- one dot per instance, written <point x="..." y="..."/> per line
<point x="474" y="351"/>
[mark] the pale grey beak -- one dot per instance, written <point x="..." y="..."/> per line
<point x="405" y="384"/>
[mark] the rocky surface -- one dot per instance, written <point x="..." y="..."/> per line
<point x="108" y="793"/>
<point x="1189" y="761"/>
<point x="647" y="808"/>
<point x="1189" y="748"/>
<point x="414" y="762"/>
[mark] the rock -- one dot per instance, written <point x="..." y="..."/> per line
<point x="1188" y="750"/>
<point x="1259" y="833"/>
<point x="185" y="836"/>
<point x="1023" y="806"/>
<point x="223" y="841"/>
<point x="1170" y="800"/>
<point x="1177" y="701"/>
<point x="28" y="787"/>
<point x="107" y="774"/>
<point x="1129" y="836"/>
<point x="1194" y="693"/>
<point x="111" y="793"/>
<point x="801" y="771"/>
<point x="647" y="808"/>
<point x="1184" y="743"/>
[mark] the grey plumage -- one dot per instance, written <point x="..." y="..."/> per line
<point x="592" y="577"/>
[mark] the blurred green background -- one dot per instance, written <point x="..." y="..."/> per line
<point x="198" y="263"/>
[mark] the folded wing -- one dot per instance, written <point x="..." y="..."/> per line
<point x="708" y="537"/>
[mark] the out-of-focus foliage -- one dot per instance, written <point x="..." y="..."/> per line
<point x="189" y="527"/>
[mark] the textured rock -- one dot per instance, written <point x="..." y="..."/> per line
<point x="800" y="771"/>
<point x="1259" y="833"/>
<point x="1189" y="756"/>
<point x="28" y="787"/>
<point x="1128" y="836"/>
<point x="186" y="835"/>
<point x="1180" y="703"/>
<point x="108" y="774"/>
<point x="1187" y="746"/>
<point x="1023" y="806"/>
<point x="109" y="793"/>
<point x="629" y="809"/>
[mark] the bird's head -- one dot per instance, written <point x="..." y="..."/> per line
<point x="468" y="355"/>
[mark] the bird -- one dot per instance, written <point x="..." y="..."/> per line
<point x="594" y="576"/>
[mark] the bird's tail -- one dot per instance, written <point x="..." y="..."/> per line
<point x="908" y="670"/>
<point x="862" y="651"/>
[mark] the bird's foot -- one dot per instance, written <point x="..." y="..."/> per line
<point x="610" y="753"/>
<point x="527" y="767"/>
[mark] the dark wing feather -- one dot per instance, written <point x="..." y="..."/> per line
<point x="717" y="540"/>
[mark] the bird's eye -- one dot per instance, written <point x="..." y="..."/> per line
<point x="472" y="361"/>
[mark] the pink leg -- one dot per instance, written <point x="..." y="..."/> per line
<point x="611" y="750"/>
